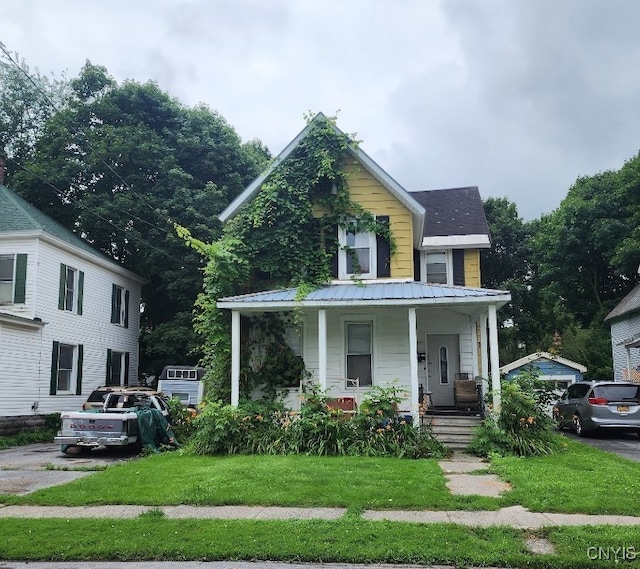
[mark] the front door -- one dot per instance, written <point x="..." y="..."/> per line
<point x="443" y="363"/>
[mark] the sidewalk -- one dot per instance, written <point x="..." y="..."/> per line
<point x="463" y="472"/>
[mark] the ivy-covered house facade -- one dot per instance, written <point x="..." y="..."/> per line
<point x="402" y="303"/>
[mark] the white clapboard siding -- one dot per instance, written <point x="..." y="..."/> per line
<point x="26" y="353"/>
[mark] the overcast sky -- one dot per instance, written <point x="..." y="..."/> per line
<point x="517" y="97"/>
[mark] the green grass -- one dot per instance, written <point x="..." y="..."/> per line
<point x="582" y="480"/>
<point x="347" y="540"/>
<point x="302" y="481"/>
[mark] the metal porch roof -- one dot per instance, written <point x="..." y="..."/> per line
<point x="369" y="294"/>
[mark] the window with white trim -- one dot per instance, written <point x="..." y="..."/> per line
<point x="359" y="351"/>
<point x="117" y="367"/>
<point x="436" y="267"/>
<point x="119" y="306"/>
<point x="357" y="254"/>
<point x="66" y="369"/>
<point x="71" y="289"/>
<point x="6" y="278"/>
<point x="13" y="274"/>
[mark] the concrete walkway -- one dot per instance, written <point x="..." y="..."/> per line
<point x="466" y="475"/>
<point x="515" y="516"/>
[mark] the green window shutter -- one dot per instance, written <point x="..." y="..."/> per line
<point x="114" y="303"/>
<point x="126" y="308"/>
<point x="55" y="354"/>
<point x="79" y="374"/>
<point x="126" y="368"/>
<point x="19" y="293"/>
<point x="80" y="291"/>
<point x="108" y="380"/>
<point x="63" y="276"/>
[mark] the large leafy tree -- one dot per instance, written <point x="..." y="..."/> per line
<point x="27" y="100"/>
<point x="121" y="164"/>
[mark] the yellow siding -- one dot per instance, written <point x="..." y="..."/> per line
<point x="472" y="267"/>
<point x="374" y="197"/>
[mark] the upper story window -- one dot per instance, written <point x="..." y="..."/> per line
<point x="119" y="306"/>
<point x="436" y="267"/>
<point x="71" y="289"/>
<point x="13" y="272"/>
<point x="358" y="256"/>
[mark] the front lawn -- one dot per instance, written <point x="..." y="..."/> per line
<point x="582" y="480"/>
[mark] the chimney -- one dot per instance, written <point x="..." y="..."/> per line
<point x="3" y="165"/>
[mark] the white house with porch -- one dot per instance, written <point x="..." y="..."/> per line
<point x="417" y="318"/>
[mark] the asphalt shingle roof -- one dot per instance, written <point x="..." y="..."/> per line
<point x="630" y="303"/>
<point x="17" y="214"/>
<point x="453" y="211"/>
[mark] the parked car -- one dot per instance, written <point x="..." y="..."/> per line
<point x="98" y="396"/>
<point x="119" y="422"/>
<point x="588" y="406"/>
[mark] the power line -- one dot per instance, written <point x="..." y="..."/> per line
<point x="64" y="196"/>
<point x="88" y="142"/>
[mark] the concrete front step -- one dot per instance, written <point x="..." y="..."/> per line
<point x="453" y="431"/>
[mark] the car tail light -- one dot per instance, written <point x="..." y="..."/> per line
<point x="597" y="401"/>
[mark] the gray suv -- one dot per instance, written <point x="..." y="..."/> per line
<point x="587" y="406"/>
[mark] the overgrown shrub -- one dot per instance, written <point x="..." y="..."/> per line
<point x="522" y="426"/>
<point x="181" y="421"/>
<point x="317" y="429"/>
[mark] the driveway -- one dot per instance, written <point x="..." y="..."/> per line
<point x="27" y="468"/>
<point x="622" y="444"/>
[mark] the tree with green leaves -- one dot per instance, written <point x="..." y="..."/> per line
<point x="120" y="164"/>
<point x="27" y="100"/>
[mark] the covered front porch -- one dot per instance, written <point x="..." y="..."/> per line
<point x="416" y="336"/>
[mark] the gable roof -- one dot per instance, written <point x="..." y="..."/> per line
<point x="454" y="217"/>
<point x="542" y="356"/>
<point x="364" y="160"/>
<point x="19" y="217"/>
<point x="630" y="303"/>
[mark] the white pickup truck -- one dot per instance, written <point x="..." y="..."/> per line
<point x="126" y="418"/>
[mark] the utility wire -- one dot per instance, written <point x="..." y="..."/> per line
<point x="64" y="196"/>
<point x="102" y="160"/>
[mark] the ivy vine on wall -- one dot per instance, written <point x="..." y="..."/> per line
<point x="285" y="236"/>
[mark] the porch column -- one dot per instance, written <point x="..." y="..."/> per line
<point x="322" y="348"/>
<point x="413" y="366"/>
<point x="484" y="354"/>
<point x="629" y="375"/>
<point x="495" y="359"/>
<point x="235" y="357"/>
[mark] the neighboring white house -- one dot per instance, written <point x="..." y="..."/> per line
<point x="69" y="315"/>
<point x="625" y="337"/>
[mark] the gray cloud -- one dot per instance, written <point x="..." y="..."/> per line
<point x="519" y="98"/>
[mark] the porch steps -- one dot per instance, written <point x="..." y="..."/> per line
<point x="455" y="432"/>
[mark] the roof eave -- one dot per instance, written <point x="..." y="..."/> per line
<point x="498" y="301"/>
